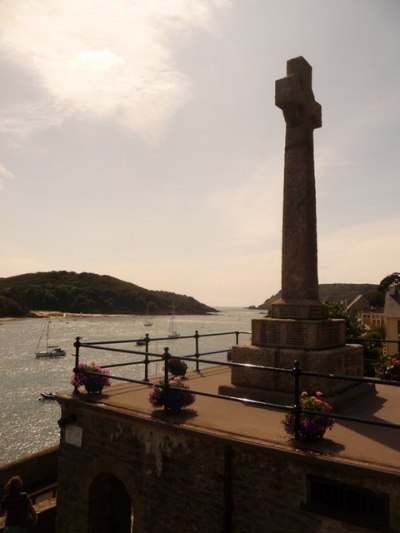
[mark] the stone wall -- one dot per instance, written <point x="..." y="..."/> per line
<point x="345" y="360"/>
<point x="170" y="477"/>
<point x="36" y="469"/>
<point x="183" y="480"/>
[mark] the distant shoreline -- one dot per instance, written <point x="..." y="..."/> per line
<point x="56" y="314"/>
<point x="61" y="314"/>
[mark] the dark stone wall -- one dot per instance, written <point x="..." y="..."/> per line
<point x="36" y="469"/>
<point x="181" y="480"/>
<point x="270" y="492"/>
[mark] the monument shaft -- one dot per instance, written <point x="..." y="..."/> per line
<point x="299" y="238"/>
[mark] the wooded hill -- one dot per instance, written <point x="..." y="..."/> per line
<point x="333" y="292"/>
<point x="70" y="292"/>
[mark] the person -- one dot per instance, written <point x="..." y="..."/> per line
<point x="18" y="506"/>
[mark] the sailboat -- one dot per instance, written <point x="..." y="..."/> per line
<point x="148" y="321"/>
<point x="50" y="351"/>
<point x="172" y="333"/>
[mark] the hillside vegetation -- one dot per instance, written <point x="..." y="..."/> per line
<point x="88" y="293"/>
<point x="333" y="292"/>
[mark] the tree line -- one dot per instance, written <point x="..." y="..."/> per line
<point x="88" y="293"/>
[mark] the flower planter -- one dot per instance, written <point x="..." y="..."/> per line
<point x="176" y="367"/>
<point x="93" y="387"/>
<point x="389" y="368"/>
<point x="175" y="399"/>
<point x="311" y="426"/>
<point x="93" y="383"/>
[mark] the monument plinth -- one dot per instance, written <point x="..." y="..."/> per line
<point x="299" y="327"/>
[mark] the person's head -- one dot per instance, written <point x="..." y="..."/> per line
<point x="13" y="485"/>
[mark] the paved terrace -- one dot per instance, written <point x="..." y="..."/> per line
<point x="348" y="442"/>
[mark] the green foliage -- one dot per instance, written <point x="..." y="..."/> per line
<point x="392" y="279"/>
<point x="338" y="310"/>
<point x="376" y="297"/>
<point x="91" y="293"/>
<point x="373" y="350"/>
<point x="10" y="308"/>
<point x="371" y="339"/>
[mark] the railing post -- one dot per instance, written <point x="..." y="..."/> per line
<point x="77" y="345"/>
<point x="166" y="358"/>
<point x="237" y="336"/>
<point x="146" y="358"/>
<point x="297" y="407"/>
<point x="196" y="336"/>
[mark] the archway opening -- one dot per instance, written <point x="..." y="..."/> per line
<point x="110" y="506"/>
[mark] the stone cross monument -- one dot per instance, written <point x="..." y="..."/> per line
<point x="298" y="327"/>
<point x="300" y="297"/>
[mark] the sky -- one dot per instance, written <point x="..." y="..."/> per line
<point x="140" y="139"/>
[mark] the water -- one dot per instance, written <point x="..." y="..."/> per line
<point x="28" y="424"/>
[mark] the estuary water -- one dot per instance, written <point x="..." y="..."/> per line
<point x="29" y="423"/>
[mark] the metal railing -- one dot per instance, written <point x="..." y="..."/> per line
<point x="150" y="357"/>
<point x="295" y="371"/>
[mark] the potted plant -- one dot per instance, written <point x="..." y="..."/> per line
<point x="177" y="367"/>
<point x="175" y="399"/>
<point x="88" y="376"/>
<point x="312" y="426"/>
<point x="388" y="368"/>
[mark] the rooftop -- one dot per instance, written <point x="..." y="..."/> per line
<point x="348" y="443"/>
<point x="392" y="302"/>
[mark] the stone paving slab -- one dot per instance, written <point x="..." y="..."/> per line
<point x="348" y="442"/>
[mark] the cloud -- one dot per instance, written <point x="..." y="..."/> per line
<point x="4" y="174"/>
<point x="21" y="120"/>
<point x="103" y="60"/>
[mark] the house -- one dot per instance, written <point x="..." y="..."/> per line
<point x="391" y="315"/>
<point x="359" y="309"/>
<point x="371" y="318"/>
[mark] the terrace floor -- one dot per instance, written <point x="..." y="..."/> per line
<point x="348" y="442"/>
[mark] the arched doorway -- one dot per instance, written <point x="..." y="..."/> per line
<point x="110" y="506"/>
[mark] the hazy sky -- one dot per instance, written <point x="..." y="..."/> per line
<point x="139" y="139"/>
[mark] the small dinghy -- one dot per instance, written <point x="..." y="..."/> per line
<point x="47" y="396"/>
<point x="141" y="342"/>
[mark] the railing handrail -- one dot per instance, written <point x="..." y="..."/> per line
<point x="296" y="371"/>
<point x="151" y="339"/>
<point x="364" y="340"/>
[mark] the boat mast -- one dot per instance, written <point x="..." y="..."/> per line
<point x="41" y="335"/>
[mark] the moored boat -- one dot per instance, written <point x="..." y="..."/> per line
<point x="172" y="332"/>
<point x="47" y="396"/>
<point x="50" y="351"/>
